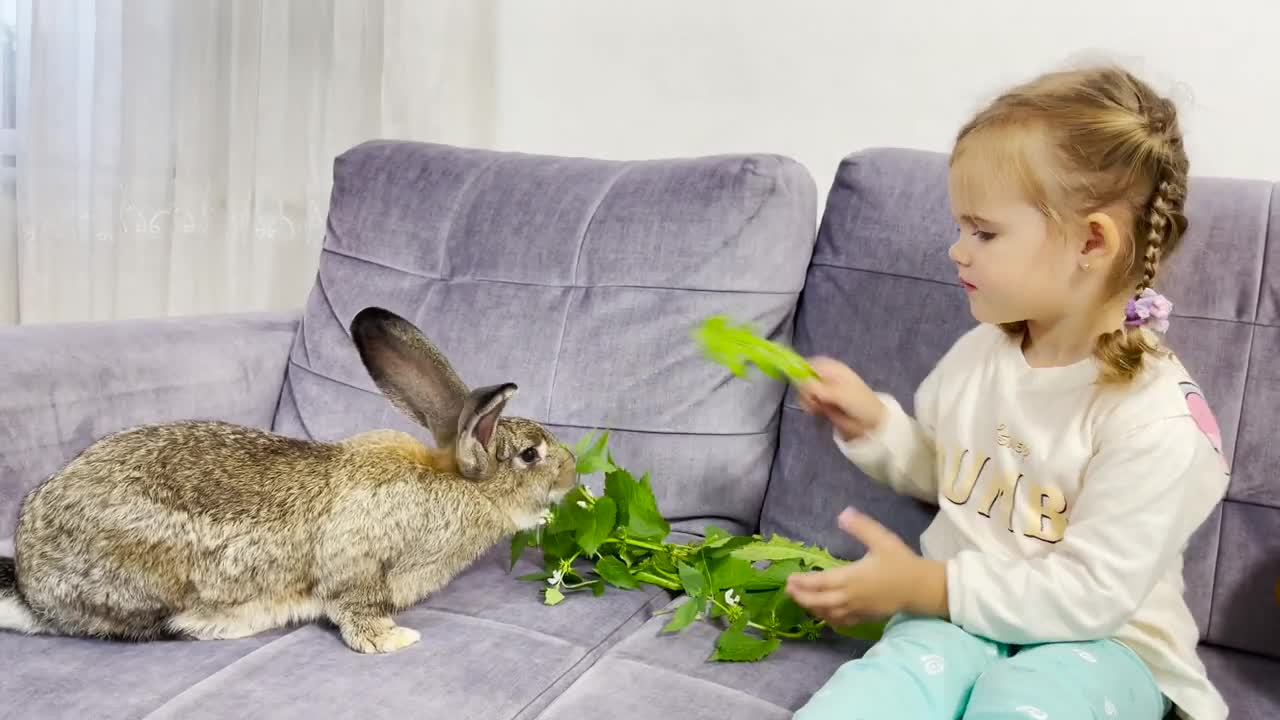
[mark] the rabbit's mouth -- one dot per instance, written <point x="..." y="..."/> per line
<point x="567" y="480"/>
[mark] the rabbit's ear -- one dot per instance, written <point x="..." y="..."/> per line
<point x="410" y="371"/>
<point x="477" y="424"/>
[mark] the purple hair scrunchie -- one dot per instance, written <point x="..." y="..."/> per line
<point x="1150" y="309"/>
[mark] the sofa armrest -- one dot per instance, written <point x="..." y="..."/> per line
<point x="64" y="385"/>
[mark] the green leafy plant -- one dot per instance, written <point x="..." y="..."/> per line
<point x="616" y="540"/>
<point x="738" y="345"/>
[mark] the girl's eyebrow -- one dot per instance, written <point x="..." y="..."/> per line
<point x="976" y="220"/>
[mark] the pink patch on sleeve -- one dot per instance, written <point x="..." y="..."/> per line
<point x="1203" y="416"/>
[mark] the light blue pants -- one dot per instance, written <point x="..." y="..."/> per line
<point x="930" y="669"/>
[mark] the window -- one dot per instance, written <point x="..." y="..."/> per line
<point x="8" y="89"/>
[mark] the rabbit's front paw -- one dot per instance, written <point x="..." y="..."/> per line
<point x="390" y="640"/>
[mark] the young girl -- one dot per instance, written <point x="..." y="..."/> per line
<point x="1069" y="452"/>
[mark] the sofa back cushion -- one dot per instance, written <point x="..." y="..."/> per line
<point x="881" y="294"/>
<point x="64" y="386"/>
<point x="579" y="280"/>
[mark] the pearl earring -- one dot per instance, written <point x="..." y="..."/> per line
<point x="1085" y="266"/>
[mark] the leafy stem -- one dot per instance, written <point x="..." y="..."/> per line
<point x="661" y="582"/>
<point x="732" y="611"/>
<point x="656" y="547"/>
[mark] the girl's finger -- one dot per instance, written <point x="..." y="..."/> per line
<point x="847" y="619"/>
<point x="817" y="602"/>
<point x="807" y="599"/>
<point x="811" y="581"/>
<point x="831" y="600"/>
<point x="820" y="394"/>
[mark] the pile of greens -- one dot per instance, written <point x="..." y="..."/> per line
<point x="617" y="539"/>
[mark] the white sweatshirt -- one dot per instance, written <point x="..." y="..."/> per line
<point x="1064" y="507"/>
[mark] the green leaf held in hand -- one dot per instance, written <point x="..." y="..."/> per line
<point x="735" y="345"/>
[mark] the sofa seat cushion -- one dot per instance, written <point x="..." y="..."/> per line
<point x="490" y="649"/>
<point x="56" y="677"/>
<point x="1248" y="681"/>
<point x="651" y="674"/>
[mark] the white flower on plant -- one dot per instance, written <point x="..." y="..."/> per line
<point x="545" y="517"/>
<point x="556" y="578"/>
<point x="731" y="598"/>
<point x="582" y="504"/>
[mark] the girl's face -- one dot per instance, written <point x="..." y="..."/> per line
<point x="1011" y="265"/>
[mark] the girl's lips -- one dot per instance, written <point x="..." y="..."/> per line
<point x="967" y="285"/>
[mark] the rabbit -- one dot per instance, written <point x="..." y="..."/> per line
<point x="202" y="529"/>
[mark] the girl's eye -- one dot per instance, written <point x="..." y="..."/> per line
<point x="984" y="236"/>
<point x="529" y="456"/>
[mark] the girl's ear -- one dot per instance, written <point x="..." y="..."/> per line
<point x="1101" y="242"/>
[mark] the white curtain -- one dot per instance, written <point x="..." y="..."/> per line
<point x="175" y="156"/>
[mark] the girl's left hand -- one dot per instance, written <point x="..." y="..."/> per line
<point x="890" y="578"/>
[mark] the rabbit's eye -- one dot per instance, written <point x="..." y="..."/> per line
<point x="529" y="456"/>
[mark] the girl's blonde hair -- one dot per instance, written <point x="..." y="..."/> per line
<point x="1077" y="142"/>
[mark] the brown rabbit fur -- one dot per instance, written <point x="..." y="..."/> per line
<point x="203" y="529"/>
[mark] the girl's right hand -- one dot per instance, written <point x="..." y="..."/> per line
<point x="841" y="396"/>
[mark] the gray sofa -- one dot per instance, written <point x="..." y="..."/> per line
<point x="579" y="279"/>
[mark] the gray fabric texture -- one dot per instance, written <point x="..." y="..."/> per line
<point x="63" y="386"/>
<point x="1248" y="682"/>
<point x="650" y="670"/>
